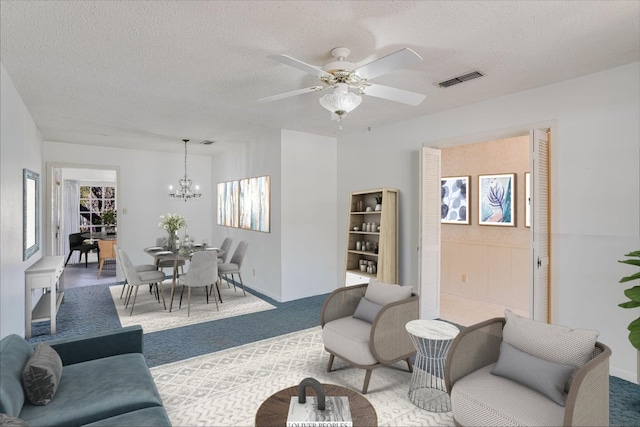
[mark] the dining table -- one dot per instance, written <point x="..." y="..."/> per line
<point x="160" y="253"/>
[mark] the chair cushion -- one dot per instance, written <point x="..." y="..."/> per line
<point x="41" y="375"/>
<point x="14" y="353"/>
<point x="545" y="377"/>
<point x="385" y="293"/>
<point x="96" y="390"/>
<point x="366" y="310"/>
<point x="155" y="416"/>
<point x="227" y="268"/>
<point x="349" y="338"/>
<point x="555" y="343"/>
<point x="482" y="399"/>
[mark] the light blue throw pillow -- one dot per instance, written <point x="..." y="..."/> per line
<point x="366" y="310"/>
<point x="547" y="378"/>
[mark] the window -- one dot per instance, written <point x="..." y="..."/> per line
<point x="95" y="199"/>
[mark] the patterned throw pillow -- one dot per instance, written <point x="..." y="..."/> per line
<point x="41" y="375"/>
<point x="7" y="421"/>
<point x="538" y="374"/>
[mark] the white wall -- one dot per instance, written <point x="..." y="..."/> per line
<point x="298" y="257"/>
<point x="143" y="189"/>
<point x="258" y="158"/>
<point x="595" y="187"/>
<point x="20" y="147"/>
<point x="309" y="215"/>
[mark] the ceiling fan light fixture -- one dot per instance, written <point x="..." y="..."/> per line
<point x="341" y="101"/>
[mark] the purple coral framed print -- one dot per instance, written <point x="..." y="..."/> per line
<point x="496" y="197"/>
<point x="455" y="200"/>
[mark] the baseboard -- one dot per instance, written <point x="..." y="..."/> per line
<point x="625" y="375"/>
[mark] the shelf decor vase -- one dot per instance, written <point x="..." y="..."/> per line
<point x="378" y="207"/>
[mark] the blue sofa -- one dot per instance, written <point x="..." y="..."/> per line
<point x="105" y="382"/>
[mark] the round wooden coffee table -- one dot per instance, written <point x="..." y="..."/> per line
<point x="273" y="411"/>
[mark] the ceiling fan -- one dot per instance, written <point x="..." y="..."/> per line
<point x="349" y="81"/>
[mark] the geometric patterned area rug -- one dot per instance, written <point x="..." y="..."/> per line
<point x="226" y="388"/>
<point x="150" y="313"/>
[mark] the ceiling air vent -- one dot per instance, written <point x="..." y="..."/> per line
<point x="207" y="142"/>
<point x="460" y="79"/>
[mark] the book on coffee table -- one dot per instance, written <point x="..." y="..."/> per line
<point x="336" y="414"/>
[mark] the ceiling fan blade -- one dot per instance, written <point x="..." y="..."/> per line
<point x="394" y="94"/>
<point x="296" y="63"/>
<point x="292" y="93"/>
<point x="401" y="59"/>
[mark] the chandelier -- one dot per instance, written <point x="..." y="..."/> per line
<point x="184" y="192"/>
<point x="341" y="101"/>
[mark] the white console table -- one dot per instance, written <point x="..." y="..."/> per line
<point x="44" y="274"/>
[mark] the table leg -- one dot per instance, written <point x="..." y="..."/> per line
<point x="173" y="282"/>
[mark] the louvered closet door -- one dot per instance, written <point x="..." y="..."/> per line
<point x="540" y="230"/>
<point x="430" y="233"/>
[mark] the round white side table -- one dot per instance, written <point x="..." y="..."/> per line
<point x="432" y="339"/>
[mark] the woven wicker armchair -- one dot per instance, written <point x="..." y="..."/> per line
<point x="368" y="346"/>
<point x="500" y="401"/>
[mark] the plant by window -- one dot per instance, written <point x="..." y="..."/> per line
<point x="109" y="217"/>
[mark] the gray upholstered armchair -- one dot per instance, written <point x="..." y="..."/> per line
<point x="371" y="333"/>
<point x="481" y="398"/>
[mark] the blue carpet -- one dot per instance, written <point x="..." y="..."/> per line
<point x="90" y="309"/>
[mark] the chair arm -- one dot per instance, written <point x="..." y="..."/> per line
<point x="98" y="345"/>
<point x="341" y="303"/>
<point x="474" y="347"/>
<point x="588" y="399"/>
<point x="389" y="340"/>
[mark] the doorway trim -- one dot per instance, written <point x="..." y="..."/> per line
<point x="50" y="185"/>
<point x="520" y="130"/>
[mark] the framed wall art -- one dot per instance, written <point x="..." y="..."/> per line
<point x="245" y="203"/>
<point x="30" y="213"/>
<point x="496" y="194"/>
<point x="455" y="200"/>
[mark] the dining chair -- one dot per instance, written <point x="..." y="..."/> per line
<point x="235" y="265"/>
<point x="76" y="243"/>
<point x="105" y="253"/>
<point x="225" y="249"/>
<point x="202" y="272"/>
<point x="135" y="279"/>
<point x="139" y="268"/>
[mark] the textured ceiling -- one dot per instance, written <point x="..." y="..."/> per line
<point x="147" y="74"/>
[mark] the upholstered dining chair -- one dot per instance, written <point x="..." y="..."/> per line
<point x="76" y="243"/>
<point x="202" y="272"/>
<point x="234" y="266"/>
<point x="364" y="325"/>
<point x="139" y="268"/>
<point x="516" y="371"/>
<point x="225" y="249"/>
<point x="135" y="279"/>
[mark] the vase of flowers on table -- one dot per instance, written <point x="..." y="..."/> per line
<point x="172" y="223"/>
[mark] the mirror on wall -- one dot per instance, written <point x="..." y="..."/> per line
<point x="30" y="213"/>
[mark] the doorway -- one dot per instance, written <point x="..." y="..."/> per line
<point x="470" y="271"/>
<point x="77" y="197"/>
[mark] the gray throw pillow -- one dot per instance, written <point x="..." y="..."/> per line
<point x="366" y="310"/>
<point x="547" y="378"/>
<point x="41" y="375"/>
<point x="555" y="343"/>
<point x="385" y="293"/>
<point x="7" y="421"/>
